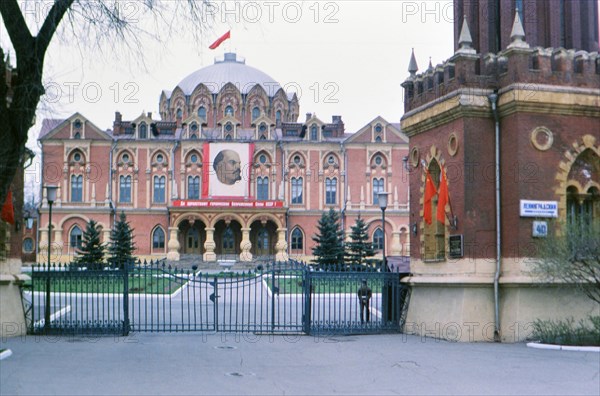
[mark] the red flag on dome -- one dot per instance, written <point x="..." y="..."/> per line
<point x="8" y="212"/>
<point x="220" y="40"/>
<point x="442" y="199"/>
<point x="430" y="191"/>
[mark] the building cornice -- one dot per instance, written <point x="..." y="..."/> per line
<point x="464" y="102"/>
<point x="530" y="98"/>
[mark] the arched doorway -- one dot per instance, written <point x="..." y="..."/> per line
<point x="263" y="235"/>
<point x="193" y="234"/>
<point x="228" y="236"/>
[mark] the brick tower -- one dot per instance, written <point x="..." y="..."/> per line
<point x="508" y="121"/>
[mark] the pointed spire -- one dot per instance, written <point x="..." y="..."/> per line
<point x="412" y="65"/>
<point x="430" y="67"/>
<point x="465" y="41"/>
<point x="517" y="35"/>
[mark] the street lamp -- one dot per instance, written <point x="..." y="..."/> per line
<point x="51" y="196"/>
<point x="383" y="198"/>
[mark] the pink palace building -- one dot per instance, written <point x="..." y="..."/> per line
<point x="225" y="169"/>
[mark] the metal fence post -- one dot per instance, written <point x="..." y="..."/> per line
<point x="306" y="318"/>
<point x="273" y="291"/>
<point x="126" y="298"/>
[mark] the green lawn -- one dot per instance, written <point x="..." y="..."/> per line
<point x="321" y="285"/>
<point x="150" y="282"/>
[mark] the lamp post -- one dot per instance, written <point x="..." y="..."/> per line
<point x="51" y="196"/>
<point x="382" y="198"/>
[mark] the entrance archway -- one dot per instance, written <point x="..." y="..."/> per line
<point x="228" y="236"/>
<point x="192" y="237"/>
<point x="263" y="235"/>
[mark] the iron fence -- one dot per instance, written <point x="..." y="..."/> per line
<point x="289" y="297"/>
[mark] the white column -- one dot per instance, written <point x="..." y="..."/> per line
<point x="281" y="245"/>
<point x="245" y="245"/>
<point x="173" y="245"/>
<point x="210" y="245"/>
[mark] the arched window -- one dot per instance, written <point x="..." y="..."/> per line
<point x="255" y="113"/>
<point x="262" y="188"/>
<point x="193" y="187"/>
<point x="76" y="188"/>
<point x="297" y="187"/>
<point x="378" y="239"/>
<point x="330" y="191"/>
<point x="583" y="205"/>
<point x="263" y="240"/>
<point x="314" y="132"/>
<point x="278" y="116"/>
<point x="143" y="131"/>
<point x="297" y="239"/>
<point x="159" y="189"/>
<point x="158" y="238"/>
<point x="378" y="186"/>
<point x="435" y="233"/>
<point x="229" y="111"/>
<point x="28" y="245"/>
<point x="77" y="135"/>
<point x="202" y="112"/>
<point x="378" y="139"/>
<point x="75" y="237"/>
<point x="228" y="239"/>
<point x="125" y="189"/>
<point x="179" y="113"/>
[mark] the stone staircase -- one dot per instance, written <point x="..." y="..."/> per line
<point x="223" y="263"/>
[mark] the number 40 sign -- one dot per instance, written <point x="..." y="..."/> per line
<point x="540" y="229"/>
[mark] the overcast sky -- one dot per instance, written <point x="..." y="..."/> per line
<point x="344" y="58"/>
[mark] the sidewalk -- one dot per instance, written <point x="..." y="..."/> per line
<point x="212" y="364"/>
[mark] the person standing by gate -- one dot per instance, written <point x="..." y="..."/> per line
<point x="364" y="296"/>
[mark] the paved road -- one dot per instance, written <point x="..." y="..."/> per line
<point x="196" y="363"/>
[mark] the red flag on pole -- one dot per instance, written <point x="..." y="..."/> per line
<point x="442" y="199"/>
<point x="220" y="40"/>
<point x="8" y="212"/>
<point x="430" y="191"/>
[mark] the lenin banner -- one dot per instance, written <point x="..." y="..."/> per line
<point x="226" y="170"/>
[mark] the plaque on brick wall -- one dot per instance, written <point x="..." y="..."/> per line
<point x="456" y="247"/>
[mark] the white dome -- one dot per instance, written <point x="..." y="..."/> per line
<point x="229" y="70"/>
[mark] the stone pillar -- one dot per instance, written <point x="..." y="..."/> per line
<point x="406" y="247"/>
<point x="43" y="238"/>
<point x="281" y="246"/>
<point x="245" y="245"/>
<point x="106" y="235"/>
<point x="173" y="245"/>
<point x="396" y="246"/>
<point x="348" y="235"/>
<point x="210" y="245"/>
<point x="12" y="318"/>
<point x="58" y="247"/>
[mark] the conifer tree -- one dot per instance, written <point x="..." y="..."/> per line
<point x="121" y="243"/>
<point x="359" y="249"/>
<point x="92" y="250"/>
<point x="329" y="249"/>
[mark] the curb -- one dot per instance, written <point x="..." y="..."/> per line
<point x="537" y="345"/>
<point x="5" y="353"/>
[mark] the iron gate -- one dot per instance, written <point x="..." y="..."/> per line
<point x="289" y="297"/>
